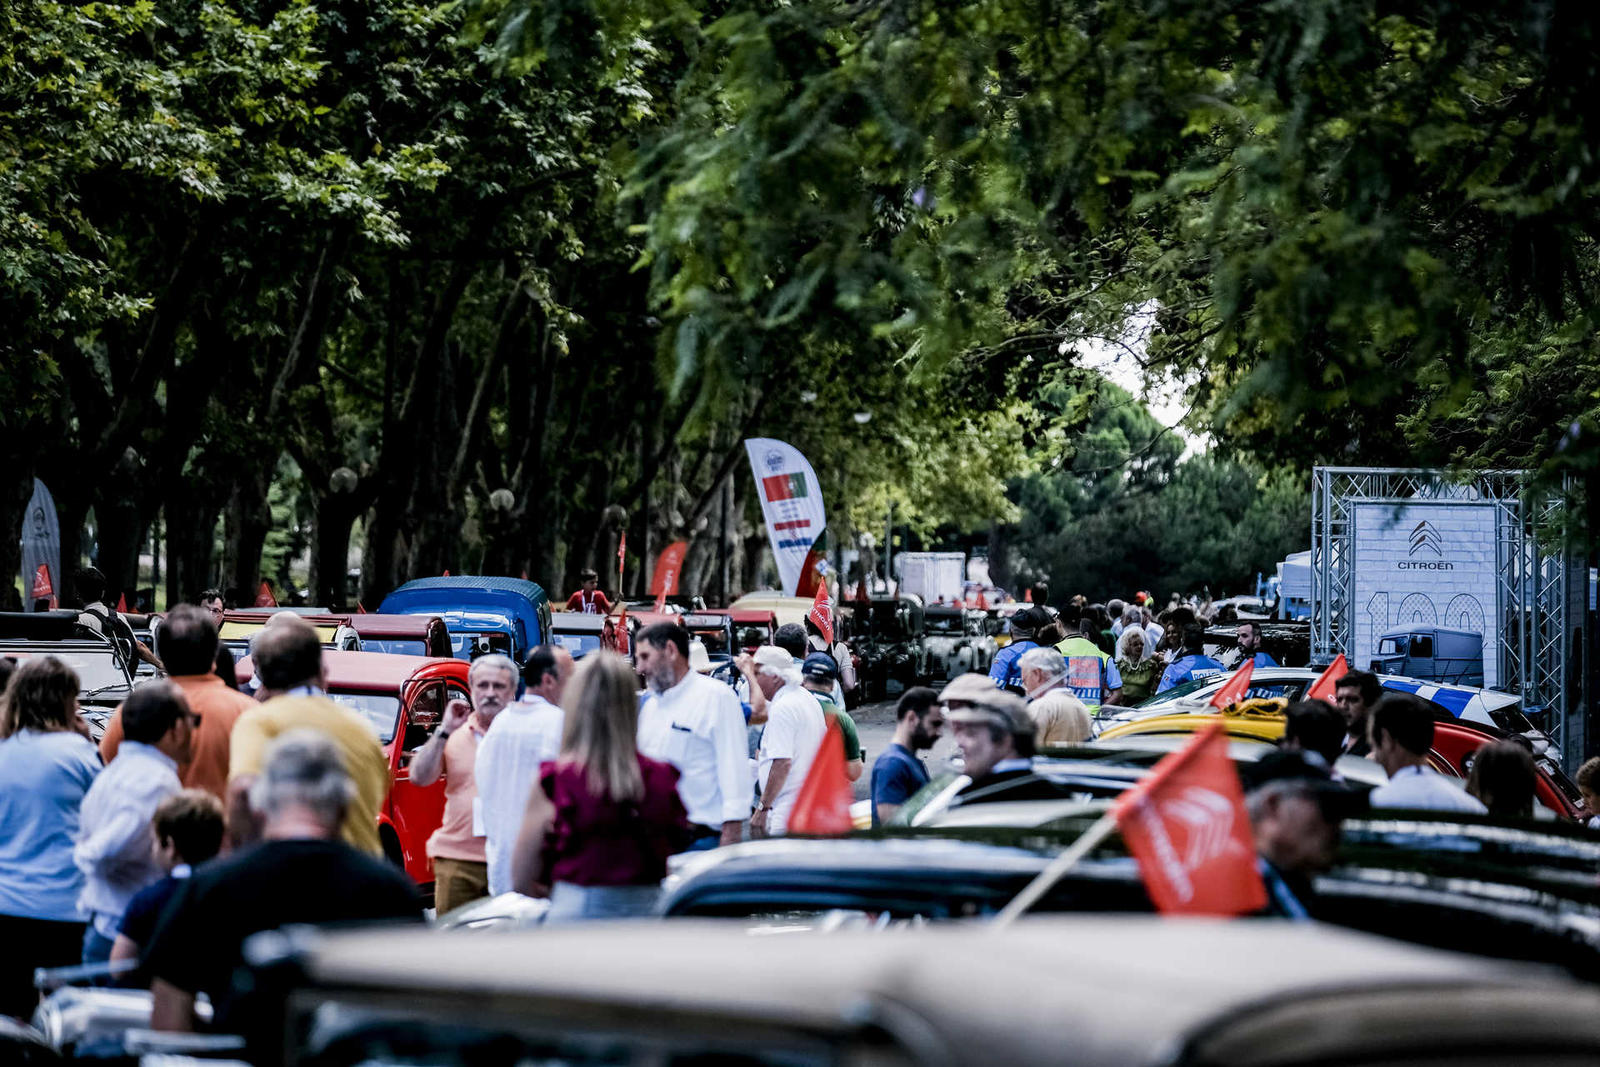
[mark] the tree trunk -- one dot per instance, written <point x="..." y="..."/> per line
<point x="330" y="556"/>
<point x="16" y="486"/>
<point x="191" y="546"/>
<point x="121" y="530"/>
<point x="245" y="527"/>
<point x="73" y="510"/>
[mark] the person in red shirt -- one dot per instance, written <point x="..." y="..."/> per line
<point x="589" y="600"/>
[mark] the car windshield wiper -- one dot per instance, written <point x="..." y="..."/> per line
<point x="103" y="689"/>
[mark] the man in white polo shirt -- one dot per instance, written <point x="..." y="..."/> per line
<point x="795" y="728"/>
<point x="1401" y="730"/>
<point x="694" y="723"/>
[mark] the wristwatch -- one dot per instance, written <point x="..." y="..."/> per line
<point x="763" y="807"/>
<point x="444" y="734"/>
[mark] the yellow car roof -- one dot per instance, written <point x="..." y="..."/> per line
<point x="235" y="631"/>
<point x="1256" y="720"/>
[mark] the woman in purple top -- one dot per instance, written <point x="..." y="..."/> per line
<point x="597" y="833"/>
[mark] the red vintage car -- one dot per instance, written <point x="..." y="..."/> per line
<point x="1455" y="742"/>
<point x="403" y="697"/>
<point x="405" y="635"/>
<point x="752" y="628"/>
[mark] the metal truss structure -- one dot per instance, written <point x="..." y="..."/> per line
<point x="1541" y="598"/>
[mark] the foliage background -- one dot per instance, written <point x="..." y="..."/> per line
<point x="577" y="250"/>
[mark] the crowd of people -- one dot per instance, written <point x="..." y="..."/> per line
<point x="204" y="815"/>
<point x="1119" y="652"/>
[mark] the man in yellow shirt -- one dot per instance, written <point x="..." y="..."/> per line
<point x="288" y="661"/>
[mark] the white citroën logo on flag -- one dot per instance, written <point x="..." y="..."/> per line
<point x="1208" y="818"/>
<point x="1423" y="535"/>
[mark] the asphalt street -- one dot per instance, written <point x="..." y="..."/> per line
<point x="875" y="725"/>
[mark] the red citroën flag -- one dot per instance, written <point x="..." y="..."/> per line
<point x="1187" y="826"/>
<point x="1234" y="689"/>
<point x="1323" y="687"/>
<point x="823" y="806"/>
<point x="822" y="611"/>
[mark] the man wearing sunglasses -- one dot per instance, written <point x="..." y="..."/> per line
<point x="115" y="848"/>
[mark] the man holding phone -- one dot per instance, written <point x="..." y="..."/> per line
<point x="460" y="866"/>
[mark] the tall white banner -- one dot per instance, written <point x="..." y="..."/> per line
<point x="791" y="502"/>
<point x="1425" y="565"/>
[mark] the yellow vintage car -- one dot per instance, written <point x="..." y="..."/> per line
<point x="1248" y="720"/>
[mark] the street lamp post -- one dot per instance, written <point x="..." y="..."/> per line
<point x="888" y="549"/>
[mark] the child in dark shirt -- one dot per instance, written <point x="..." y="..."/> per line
<point x="189" y="828"/>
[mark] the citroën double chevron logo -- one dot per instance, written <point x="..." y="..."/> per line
<point x="1425" y="537"/>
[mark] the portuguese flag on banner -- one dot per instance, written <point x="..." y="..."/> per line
<point x="784" y="486"/>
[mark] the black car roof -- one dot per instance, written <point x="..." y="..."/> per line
<point x="60" y="625"/>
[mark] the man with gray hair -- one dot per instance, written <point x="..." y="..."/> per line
<point x="1042" y="670"/>
<point x="457" y="847"/>
<point x="795" y="728"/>
<point x="518" y="740"/>
<point x="298" y="873"/>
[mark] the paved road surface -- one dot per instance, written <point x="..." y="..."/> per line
<point x="875" y="724"/>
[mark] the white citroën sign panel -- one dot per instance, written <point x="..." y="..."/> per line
<point x="1424" y="565"/>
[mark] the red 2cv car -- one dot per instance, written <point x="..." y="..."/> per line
<point x="403" y="697"/>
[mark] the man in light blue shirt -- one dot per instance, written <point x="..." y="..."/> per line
<point x="116" y="838"/>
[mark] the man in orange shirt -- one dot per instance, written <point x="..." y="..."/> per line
<point x="189" y="651"/>
<point x="460" y="865"/>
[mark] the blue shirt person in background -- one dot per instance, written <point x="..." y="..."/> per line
<point x="897" y="774"/>
<point x="1194" y="663"/>
<point x="1249" y="635"/>
<point x="1005" y="672"/>
<point x="46" y="768"/>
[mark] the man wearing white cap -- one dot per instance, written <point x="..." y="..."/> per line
<point x="795" y="728"/>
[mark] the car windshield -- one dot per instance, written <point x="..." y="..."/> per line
<point x="578" y="644"/>
<point x="1178" y="692"/>
<point x="399" y="646"/>
<point x="470" y="646"/>
<point x="754" y="636"/>
<point x="1392" y="646"/>
<point x="97" y="669"/>
<point x="380" y="710"/>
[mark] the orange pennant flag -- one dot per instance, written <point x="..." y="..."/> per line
<point x="1187" y="826"/>
<point x="122" y="603"/>
<point x="1234" y="689"/>
<point x="1027" y="596"/>
<point x="823" y="806"/>
<point x="42" y="586"/>
<point x="264" y="597"/>
<point x="1323" y="687"/>
<point x="446" y="574"/>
